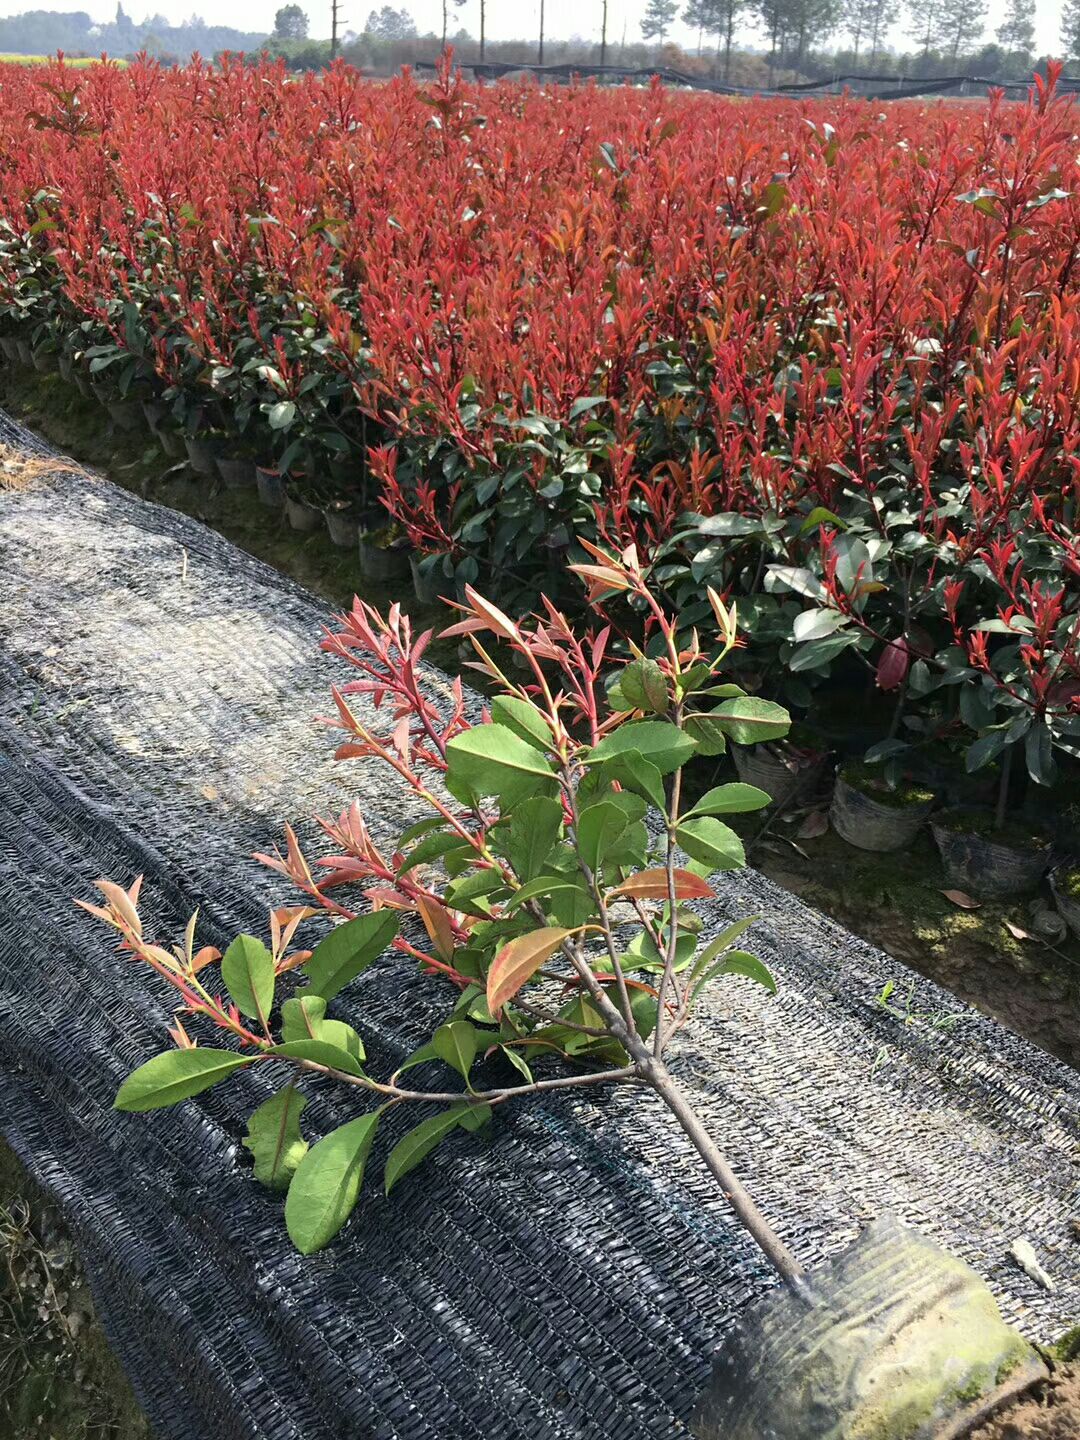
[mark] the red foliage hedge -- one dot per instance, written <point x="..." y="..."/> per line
<point x="823" y="355"/>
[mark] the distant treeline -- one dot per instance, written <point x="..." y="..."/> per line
<point x="44" y="32"/>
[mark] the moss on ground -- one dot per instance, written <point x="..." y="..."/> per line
<point x="868" y="780"/>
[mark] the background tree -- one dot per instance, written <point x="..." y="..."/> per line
<point x="962" y="26"/>
<point x="772" y="15"/>
<point x="391" y="24"/>
<point x="290" y="23"/>
<point x="926" y="21"/>
<point x="725" y="13"/>
<point x="1070" y="30"/>
<point x="446" y="18"/>
<point x="806" y="23"/>
<point x="853" y="23"/>
<point x="1016" y="32"/>
<point x="658" y="19"/>
<point x="700" y="15"/>
<point x="880" y="16"/>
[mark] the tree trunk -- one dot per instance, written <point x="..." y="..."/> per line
<point x="727" y="41"/>
<point x="603" y="35"/>
<point x="658" y="1077"/>
<point x="483" y="7"/>
<point x="540" y="50"/>
<point x="740" y="1200"/>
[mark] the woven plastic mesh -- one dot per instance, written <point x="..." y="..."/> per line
<point x="565" y="1277"/>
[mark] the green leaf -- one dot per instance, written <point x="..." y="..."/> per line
<point x="600" y="828"/>
<point x="247" y="968"/>
<point x="419" y="1142"/>
<point x="457" y="1044"/>
<point x="750" y="721"/>
<point x="471" y="891"/>
<point x="573" y="905"/>
<point x="585" y="403"/>
<point x="319" y="1052"/>
<point x="418" y="1057"/>
<point x="542" y="887"/>
<point x="274" y="1139"/>
<point x="524" y="720"/>
<point x="642" y="953"/>
<point x="638" y="775"/>
<point x="643" y="684"/>
<point x="281" y="415"/>
<point x="707" y="733"/>
<point x="664" y="745"/>
<point x="422" y="827"/>
<point x="531" y="834"/>
<point x="712" y="843"/>
<point x="985" y="749"/>
<point x="643" y="1007"/>
<point x="1039" y="754"/>
<point x="820" y="516"/>
<point x="739" y="962"/>
<point x="721" y="942"/>
<point x="815" y="624"/>
<point x="733" y="799"/>
<point x="518" y="1063"/>
<point x="326" y="1186"/>
<point x="340" y="956"/>
<point x="432" y="847"/>
<point x="176" y="1075"/>
<point x="304" y="1018"/>
<point x="799" y="579"/>
<point x="302" y="1015"/>
<point x="816" y="653"/>
<point x="492" y="760"/>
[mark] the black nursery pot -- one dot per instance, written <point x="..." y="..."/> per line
<point x="1062" y="884"/>
<point x="154" y="412"/>
<point x="236" y="474"/>
<point x="985" y="862"/>
<point x="302" y="517"/>
<point x="382" y="563"/>
<point x="780" y="771"/>
<point x="202" y="455"/>
<point x="870" y="823"/>
<point x="271" y="487"/>
<point x="172" y="443"/>
<point x="125" y="414"/>
<point x="342" y="528"/>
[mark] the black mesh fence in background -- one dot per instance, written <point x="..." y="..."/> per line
<point x="566" y="1276"/>
<point x="870" y="87"/>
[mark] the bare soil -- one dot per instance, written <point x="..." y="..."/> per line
<point x="1049" y="1412"/>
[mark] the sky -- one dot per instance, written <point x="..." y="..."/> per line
<point x="506" y="19"/>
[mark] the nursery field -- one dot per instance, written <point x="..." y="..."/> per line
<point x="823" y="357"/>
